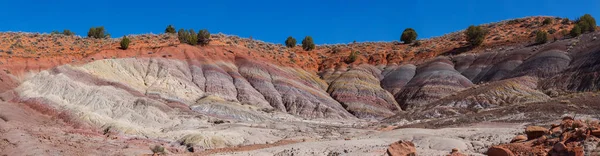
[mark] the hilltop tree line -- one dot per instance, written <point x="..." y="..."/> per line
<point x="475" y="35"/>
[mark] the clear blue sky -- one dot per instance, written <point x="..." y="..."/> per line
<point x="333" y="21"/>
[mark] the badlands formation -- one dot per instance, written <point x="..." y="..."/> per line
<point x="67" y="95"/>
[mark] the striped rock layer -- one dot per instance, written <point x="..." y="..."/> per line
<point x="360" y="92"/>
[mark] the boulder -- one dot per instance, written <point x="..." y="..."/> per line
<point x="499" y="151"/>
<point x="534" y="132"/>
<point x="402" y="148"/>
<point x="519" y="138"/>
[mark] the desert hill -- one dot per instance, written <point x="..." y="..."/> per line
<point x="242" y="95"/>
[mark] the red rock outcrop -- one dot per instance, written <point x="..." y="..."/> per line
<point x="402" y="148"/>
<point x="566" y="138"/>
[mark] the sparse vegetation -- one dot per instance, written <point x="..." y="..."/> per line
<point x="514" y="21"/>
<point x="203" y="37"/>
<point x="308" y="44"/>
<point x="547" y="21"/>
<point x="97" y="32"/>
<point x="187" y="36"/>
<point x="290" y="42"/>
<point x="566" y="21"/>
<point x="170" y="30"/>
<point x="541" y="37"/>
<point x="551" y="31"/>
<point x="475" y="35"/>
<point x="125" y="43"/>
<point x="352" y="57"/>
<point x="417" y="43"/>
<point x="158" y="150"/>
<point x="408" y="36"/>
<point x="68" y="32"/>
<point x="575" y="31"/>
<point x="587" y="23"/>
<point x="564" y="32"/>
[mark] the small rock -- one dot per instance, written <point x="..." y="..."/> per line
<point x="559" y="147"/>
<point x="594" y="38"/>
<point x="402" y="148"/>
<point x="499" y="151"/>
<point x="535" y="132"/>
<point x="519" y="138"/>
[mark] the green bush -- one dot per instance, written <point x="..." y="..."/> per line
<point x="547" y="21"/>
<point x="408" y="36"/>
<point x="352" y="57"/>
<point x="576" y="31"/>
<point x="551" y="31"/>
<point x="475" y="35"/>
<point x="158" y="150"/>
<point x="308" y="44"/>
<point x="187" y="36"/>
<point x="203" y="37"/>
<point x="587" y="23"/>
<point x="65" y="32"/>
<point x="566" y="21"/>
<point x="417" y="43"/>
<point x="514" y="21"/>
<point x="564" y="32"/>
<point x="170" y="29"/>
<point x="541" y="37"/>
<point x="68" y="32"/>
<point x="125" y="43"/>
<point x="97" y="32"/>
<point x="181" y="35"/>
<point x="290" y="42"/>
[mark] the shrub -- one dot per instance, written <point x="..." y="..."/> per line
<point x="408" y="36"/>
<point x="564" y="32"/>
<point x="566" y="21"/>
<point x="551" y="31"/>
<point x="514" y="21"/>
<point x="475" y="35"/>
<point x="170" y="29"/>
<point x="547" y="21"/>
<point x="308" y="44"/>
<point x="54" y="32"/>
<point x="587" y="23"/>
<point x="97" y="32"/>
<point x="417" y="43"/>
<point x="576" y="31"/>
<point x="290" y="42"/>
<point x="192" y="38"/>
<point x="541" y="37"/>
<point x="187" y="36"/>
<point x="68" y="32"/>
<point x="203" y="37"/>
<point x="352" y="57"/>
<point x="125" y="43"/>
<point x="181" y="35"/>
<point x="158" y="150"/>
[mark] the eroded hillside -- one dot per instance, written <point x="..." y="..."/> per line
<point x="241" y="95"/>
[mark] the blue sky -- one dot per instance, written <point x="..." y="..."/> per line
<point x="333" y="21"/>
